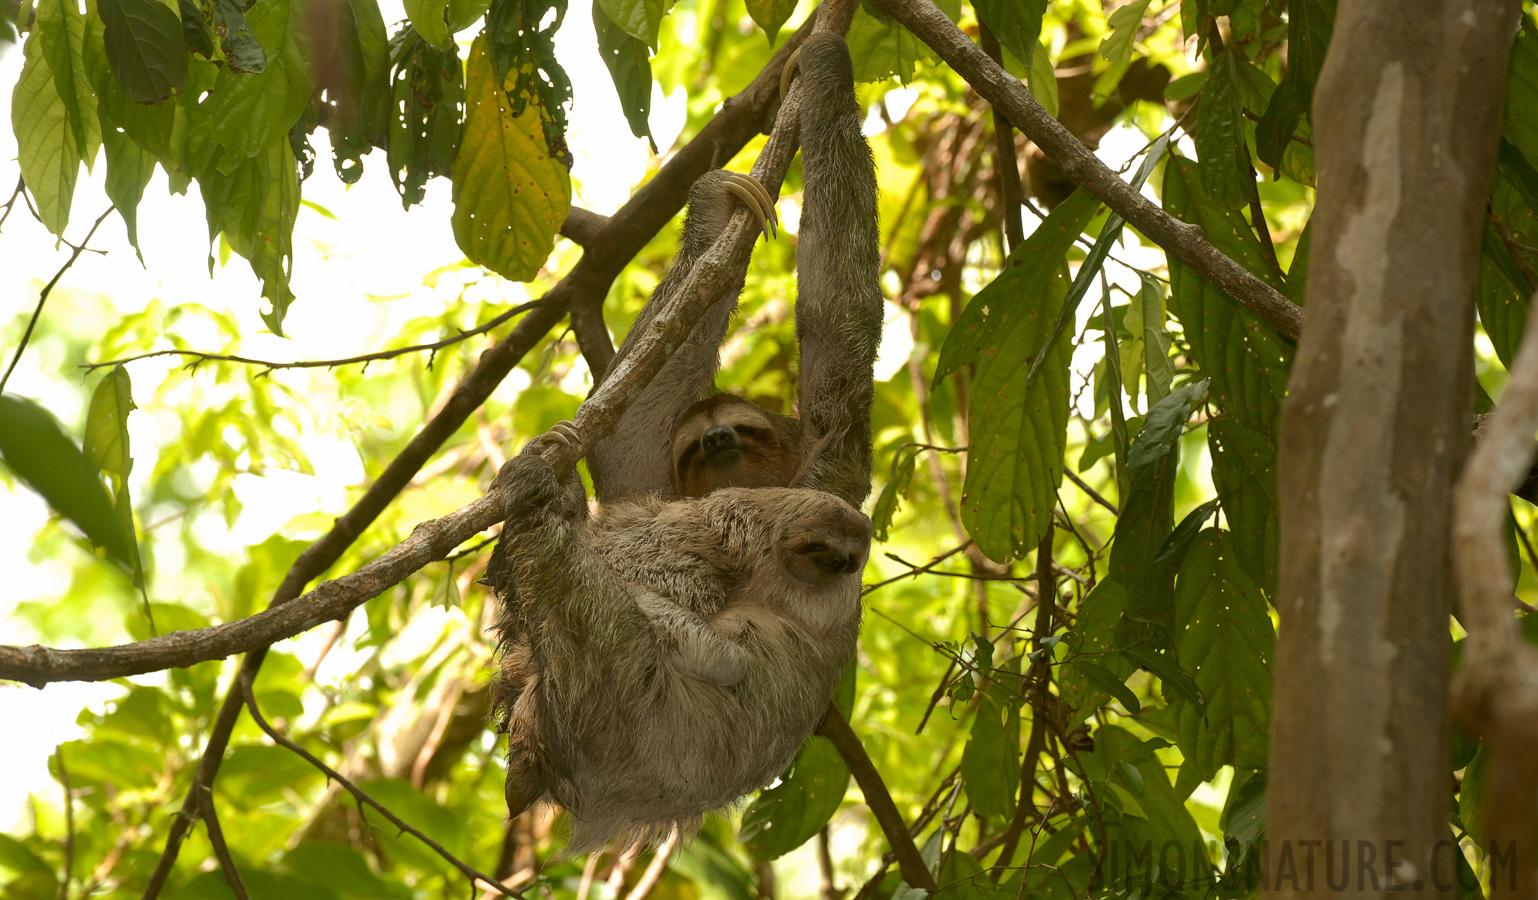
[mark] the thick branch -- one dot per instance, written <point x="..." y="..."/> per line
<point x="1180" y="240"/>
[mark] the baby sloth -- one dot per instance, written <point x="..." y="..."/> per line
<point x="668" y="656"/>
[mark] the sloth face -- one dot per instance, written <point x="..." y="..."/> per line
<point x="827" y="543"/>
<point x="726" y="441"/>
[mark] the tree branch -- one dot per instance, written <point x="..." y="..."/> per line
<point x="42" y="296"/>
<point x="836" y="729"/>
<point x="1182" y="241"/>
<point x="1496" y="692"/>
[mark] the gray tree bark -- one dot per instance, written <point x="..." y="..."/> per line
<point x="1374" y="431"/>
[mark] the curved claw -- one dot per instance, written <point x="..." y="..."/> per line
<point x="753" y="195"/>
<point x="788" y="74"/>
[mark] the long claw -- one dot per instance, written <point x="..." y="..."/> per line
<point x="747" y="189"/>
<point x="788" y="74"/>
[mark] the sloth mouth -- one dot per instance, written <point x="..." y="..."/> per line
<point x="723" y="457"/>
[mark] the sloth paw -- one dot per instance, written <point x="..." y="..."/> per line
<point x="755" y="197"/>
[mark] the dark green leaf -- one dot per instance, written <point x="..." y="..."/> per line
<point x="428" y="93"/>
<point x="1105" y="680"/>
<point x="1219" y="137"/>
<point x="787" y="815"/>
<point x="36" y="450"/>
<point x="1177" y="682"/>
<point x="255" y="207"/>
<point x="1016" y="23"/>
<point x="990" y="764"/>
<point x="129" y="170"/>
<point x="1093" y="637"/>
<point x="358" y="85"/>
<point x="1224" y="637"/>
<point x="196" y="35"/>
<point x="241" y="49"/>
<point x="1174" y="548"/>
<point x="1503" y="296"/>
<point x="145" y="48"/>
<point x="630" y="68"/>
<point x="1244" y="813"/>
<point x="1244" y="473"/>
<point x="1164" y="425"/>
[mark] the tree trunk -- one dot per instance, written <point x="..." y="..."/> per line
<point x="1375" y="428"/>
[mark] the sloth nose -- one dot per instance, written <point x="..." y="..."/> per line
<point x="719" y="437"/>
<point x="831" y="560"/>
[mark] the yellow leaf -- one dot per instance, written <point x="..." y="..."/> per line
<point x="510" y="197"/>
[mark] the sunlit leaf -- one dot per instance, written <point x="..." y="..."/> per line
<point x="630" y="67"/>
<point x="1124" y="22"/>
<point x="510" y="197"/>
<point x="771" y="14"/>
<point x="36" y="450"/>
<point x="427" y="18"/>
<point x="638" y="18"/>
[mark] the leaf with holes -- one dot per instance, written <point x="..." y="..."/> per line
<point x="510" y="197"/>
<point x="631" y="69"/>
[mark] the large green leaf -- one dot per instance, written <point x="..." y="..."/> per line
<point x="787" y="815"/>
<point x="358" y="85"/>
<point x="46" y="147"/>
<point x="427" y="17"/>
<point x="1219" y="136"/>
<point x="1124" y="23"/>
<point x="1224" y="637"/>
<point x="631" y="69"/>
<point x="1521" y="107"/>
<point x="881" y="48"/>
<point x="1309" y="24"/>
<point x="250" y="111"/>
<point x="510" y="196"/>
<point x="36" y="450"/>
<point x="129" y="170"/>
<point x="1245" y="358"/>
<point x="144" y="47"/>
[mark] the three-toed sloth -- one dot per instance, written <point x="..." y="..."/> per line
<point x="670" y="655"/>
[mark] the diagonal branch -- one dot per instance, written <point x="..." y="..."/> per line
<point x="1184" y="242"/>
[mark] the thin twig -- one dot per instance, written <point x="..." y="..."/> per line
<point x="42" y="298"/>
<point x="362" y="797"/>
<point x="69" y="824"/>
<point x="21" y="187"/>
<point x="221" y="849"/>
<point x="200" y="357"/>
<point x="1093" y="494"/>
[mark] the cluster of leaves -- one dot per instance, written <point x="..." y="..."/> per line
<point x="1074" y="692"/>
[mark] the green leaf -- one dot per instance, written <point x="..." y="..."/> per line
<point x="1145" y="319"/>
<point x="1246" y="359"/>
<point x="631" y="69"/>
<point x="891" y="492"/>
<point x="1043" y="80"/>
<point x="789" y="814"/>
<point x="881" y="48"/>
<point x="1106" y="680"/>
<point x="510" y="197"/>
<point x="1093" y="637"/>
<point x="50" y="160"/>
<point x="640" y="19"/>
<point x="1124" y="22"/>
<point x="1224" y="637"/>
<point x="428" y="94"/>
<point x="144" y="48"/>
<point x="255" y="207"/>
<point x="1147" y="516"/>
<point x="196" y="35"/>
<point x="1309" y="23"/>
<point x="1219" y="137"/>
<point x="36" y="450"/>
<point x="1016" y="23"/>
<point x="73" y="47"/>
<point x="251" y="111"/>
<point x="1174" y="549"/>
<point x="1503" y="296"/>
<point x="360" y="86"/>
<point x="770" y="15"/>
<point x="106" y="424"/>
<point x="1472" y="797"/>
<point x="1244" y="473"/>
<point x="241" y="48"/>
<point x="427" y="17"/>
<point x="990" y="764"/>
<point x="464" y="13"/>
<point x="129" y="170"/>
